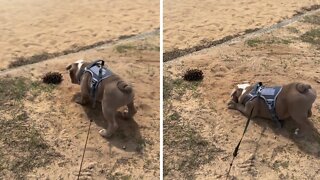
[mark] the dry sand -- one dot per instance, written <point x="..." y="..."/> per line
<point x="188" y="23"/>
<point x="37" y="26"/>
<point x="133" y="152"/>
<point x="201" y="133"/>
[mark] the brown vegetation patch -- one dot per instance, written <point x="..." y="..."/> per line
<point x="22" y="145"/>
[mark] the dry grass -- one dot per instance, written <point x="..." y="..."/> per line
<point x="185" y="150"/>
<point x="189" y="148"/>
<point x="312" y="36"/>
<point x="178" y="85"/>
<point x="22" y="145"/>
<point x="273" y="40"/>
<point x="124" y="48"/>
<point x="314" y="19"/>
<point x="21" y="61"/>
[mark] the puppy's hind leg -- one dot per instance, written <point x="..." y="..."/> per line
<point x="109" y="115"/>
<point x="302" y="121"/>
<point x="131" y="111"/>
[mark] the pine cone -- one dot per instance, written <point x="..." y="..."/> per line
<point x="52" y="78"/>
<point x="193" y="75"/>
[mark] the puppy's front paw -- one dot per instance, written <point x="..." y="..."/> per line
<point x="232" y="105"/>
<point x="105" y="133"/>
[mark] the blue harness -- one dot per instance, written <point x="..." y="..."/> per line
<point x="269" y="95"/>
<point x="98" y="73"/>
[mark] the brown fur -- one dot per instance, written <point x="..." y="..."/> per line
<point x="112" y="92"/>
<point x="294" y="101"/>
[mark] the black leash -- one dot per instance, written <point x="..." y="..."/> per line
<point x="235" y="152"/>
<point x="84" y="150"/>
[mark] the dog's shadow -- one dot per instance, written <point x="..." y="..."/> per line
<point x="309" y="142"/>
<point x="127" y="137"/>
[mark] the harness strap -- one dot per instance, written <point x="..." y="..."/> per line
<point x="83" y="70"/>
<point x="95" y="87"/>
<point x="98" y="73"/>
<point x="271" y="103"/>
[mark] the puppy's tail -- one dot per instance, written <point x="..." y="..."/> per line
<point x="124" y="87"/>
<point x="303" y="88"/>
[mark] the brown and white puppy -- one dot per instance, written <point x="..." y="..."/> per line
<point x="112" y="92"/>
<point x="294" y="101"/>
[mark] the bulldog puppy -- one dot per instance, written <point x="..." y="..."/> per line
<point x="112" y="92"/>
<point x="294" y="101"/>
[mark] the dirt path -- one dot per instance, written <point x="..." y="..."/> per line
<point x="174" y="54"/>
<point x="133" y="152"/>
<point x="197" y="112"/>
<point x="194" y="22"/>
<point x="38" y="27"/>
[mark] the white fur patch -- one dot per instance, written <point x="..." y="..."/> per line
<point x="243" y="87"/>
<point x="79" y="62"/>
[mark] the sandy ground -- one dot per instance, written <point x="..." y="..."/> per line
<point x="197" y="112"/>
<point x="189" y="23"/>
<point x="133" y="152"/>
<point x="37" y="26"/>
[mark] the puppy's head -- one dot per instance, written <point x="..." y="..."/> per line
<point x="238" y="91"/>
<point x="74" y="70"/>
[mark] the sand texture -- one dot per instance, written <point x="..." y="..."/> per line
<point x="36" y="26"/>
<point x="192" y="22"/>
<point x="133" y="151"/>
<point x="201" y="133"/>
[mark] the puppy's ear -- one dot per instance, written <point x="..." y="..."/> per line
<point x="68" y="67"/>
